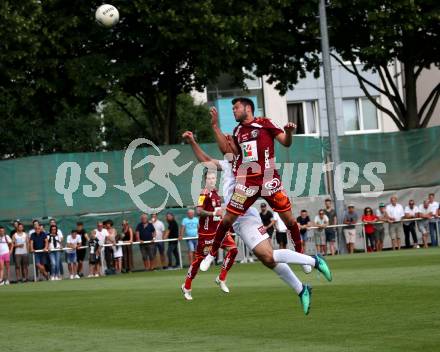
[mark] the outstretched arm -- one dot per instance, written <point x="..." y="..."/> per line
<point x="224" y="142"/>
<point x="198" y="152"/>
<point x="286" y="137"/>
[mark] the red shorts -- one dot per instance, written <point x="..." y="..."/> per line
<point x="205" y="242"/>
<point x="247" y="192"/>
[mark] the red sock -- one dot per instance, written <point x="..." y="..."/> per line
<point x="218" y="239"/>
<point x="192" y="272"/>
<point x="296" y="237"/>
<point x="227" y="263"/>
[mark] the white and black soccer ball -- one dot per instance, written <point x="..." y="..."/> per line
<point x="307" y="268"/>
<point x="107" y="15"/>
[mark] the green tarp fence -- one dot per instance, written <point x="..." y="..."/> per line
<point x="35" y="187"/>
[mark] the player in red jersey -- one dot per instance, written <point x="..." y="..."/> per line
<point x="210" y="215"/>
<point x="254" y="169"/>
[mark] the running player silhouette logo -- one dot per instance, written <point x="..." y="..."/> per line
<point x="163" y="166"/>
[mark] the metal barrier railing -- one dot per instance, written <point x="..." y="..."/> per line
<point x="195" y="238"/>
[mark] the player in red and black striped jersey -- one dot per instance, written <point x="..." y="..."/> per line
<point x="210" y="215"/>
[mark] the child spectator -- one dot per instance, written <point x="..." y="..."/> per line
<point x="94" y="258"/>
<point x="73" y="242"/>
<point x="117" y="252"/>
<point x="321" y="221"/>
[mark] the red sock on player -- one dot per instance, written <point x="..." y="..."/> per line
<point x="192" y="272"/>
<point x="296" y="237"/>
<point x="227" y="263"/>
<point x="218" y="239"/>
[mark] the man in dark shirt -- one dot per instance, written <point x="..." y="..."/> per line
<point x="81" y="253"/>
<point x="304" y="222"/>
<point x="330" y="233"/>
<point x="172" y="233"/>
<point x="39" y="241"/>
<point x="267" y="219"/>
<point x="145" y="232"/>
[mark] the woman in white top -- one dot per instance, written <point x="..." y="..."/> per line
<point x="20" y="241"/>
<point x="55" y="242"/>
<point x="321" y="221"/>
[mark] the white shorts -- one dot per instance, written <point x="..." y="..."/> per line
<point x="350" y="235"/>
<point x="117" y="252"/>
<point x="250" y="228"/>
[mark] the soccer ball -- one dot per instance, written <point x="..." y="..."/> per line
<point x="107" y="15"/>
<point x="307" y="268"/>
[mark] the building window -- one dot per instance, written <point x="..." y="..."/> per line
<point x="305" y="115"/>
<point x="221" y="93"/>
<point x="360" y="115"/>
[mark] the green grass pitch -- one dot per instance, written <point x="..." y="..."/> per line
<point x="377" y="302"/>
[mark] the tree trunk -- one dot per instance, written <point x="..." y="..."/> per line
<point x="411" y="116"/>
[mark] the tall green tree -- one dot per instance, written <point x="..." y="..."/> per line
<point x="124" y="122"/>
<point x="52" y="77"/>
<point x="379" y="32"/>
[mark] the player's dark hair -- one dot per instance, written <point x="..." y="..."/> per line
<point x="431" y="194"/>
<point x="1" y="227"/>
<point x="51" y="227"/>
<point x="246" y="102"/>
<point x="79" y="223"/>
<point x="328" y="200"/>
<point x="303" y="211"/>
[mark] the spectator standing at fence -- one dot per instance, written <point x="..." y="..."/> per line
<point x="382" y="216"/>
<point x="280" y="231"/>
<point x="321" y="221"/>
<point x="330" y="232"/>
<point x="127" y="250"/>
<point x="35" y="226"/>
<point x="189" y="228"/>
<point x="369" y="228"/>
<point x="145" y="232"/>
<point x="118" y="253"/>
<point x="53" y="222"/>
<point x="94" y="255"/>
<point x="72" y="244"/>
<point x="423" y="225"/>
<point x="350" y="219"/>
<point x="11" y="235"/>
<point x="395" y="213"/>
<point x="267" y="219"/>
<point x="20" y="241"/>
<point x="304" y="223"/>
<point x="5" y="255"/>
<point x="433" y="207"/>
<point x="111" y="241"/>
<point x="159" y="227"/>
<point x="81" y="252"/>
<point x="38" y="241"/>
<point x="101" y="234"/>
<point x="409" y="227"/>
<point x="172" y="233"/>
<point x="55" y="242"/>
